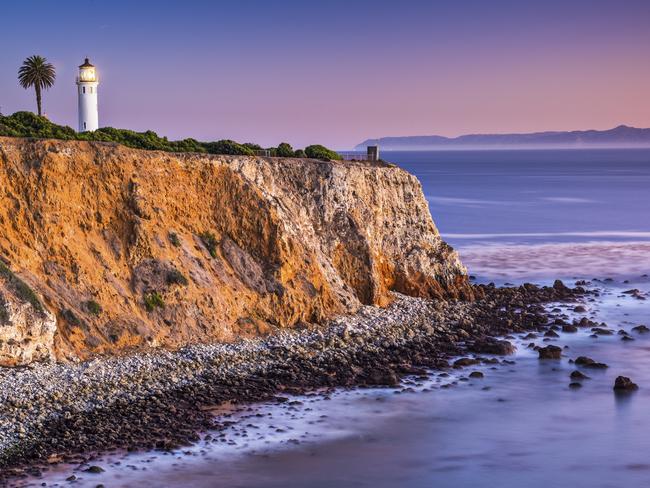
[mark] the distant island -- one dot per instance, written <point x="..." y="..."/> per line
<point x="621" y="136"/>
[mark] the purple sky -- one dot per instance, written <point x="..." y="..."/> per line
<point x="337" y="72"/>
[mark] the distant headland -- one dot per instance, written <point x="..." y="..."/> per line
<point x="621" y="136"/>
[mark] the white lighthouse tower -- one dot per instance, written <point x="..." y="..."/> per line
<point x="87" y="82"/>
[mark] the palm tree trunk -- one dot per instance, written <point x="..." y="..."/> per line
<point x="38" y="98"/>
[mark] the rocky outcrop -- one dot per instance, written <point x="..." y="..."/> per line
<point x="133" y="248"/>
<point x="26" y="327"/>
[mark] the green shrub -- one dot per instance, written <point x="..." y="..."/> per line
<point x="210" y="242"/>
<point x="93" y="307"/>
<point x="175" y="277"/>
<point x="252" y="146"/>
<point x="227" y="146"/>
<point x="317" y="151"/>
<point x="173" y="238"/>
<point x="300" y="153"/>
<point x="20" y="288"/>
<point x="153" y="300"/>
<point x="27" y="124"/>
<point x="284" y="150"/>
<point x="70" y="317"/>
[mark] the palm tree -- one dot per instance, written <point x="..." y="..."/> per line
<point x="36" y="72"/>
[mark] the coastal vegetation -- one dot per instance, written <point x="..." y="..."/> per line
<point x="153" y="300"/>
<point x="20" y="288"/>
<point x="93" y="307"/>
<point x="317" y="151"/>
<point x="27" y="124"/>
<point x="175" y="277"/>
<point x="210" y="242"/>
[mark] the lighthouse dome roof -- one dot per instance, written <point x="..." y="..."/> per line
<point x="86" y="64"/>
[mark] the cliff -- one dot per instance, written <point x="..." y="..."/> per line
<point x="106" y="248"/>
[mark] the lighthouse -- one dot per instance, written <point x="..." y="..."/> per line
<point x="87" y="83"/>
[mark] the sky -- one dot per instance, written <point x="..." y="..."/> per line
<point x="337" y="72"/>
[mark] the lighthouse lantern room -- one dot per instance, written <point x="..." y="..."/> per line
<point x="87" y="83"/>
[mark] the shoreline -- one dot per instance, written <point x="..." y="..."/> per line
<point x="161" y="400"/>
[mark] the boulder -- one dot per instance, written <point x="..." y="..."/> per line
<point x="492" y="346"/>
<point x="623" y="383"/>
<point x="459" y="363"/>
<point x="601" y="331"/>
<point x="578" y="375"/>
<point x="587" y="362"/>
<point x="550" y="352"/>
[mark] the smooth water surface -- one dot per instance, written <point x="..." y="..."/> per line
<point x="535" y="196"/>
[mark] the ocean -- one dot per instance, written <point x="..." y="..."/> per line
<point x="514" y="216"/>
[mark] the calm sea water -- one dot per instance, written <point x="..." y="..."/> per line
<point x="514" y="216"/>
<point x="535" y="196"/>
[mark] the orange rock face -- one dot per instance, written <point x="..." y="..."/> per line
<point x="132" y="248"/>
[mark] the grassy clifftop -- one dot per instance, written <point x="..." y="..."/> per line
<point x="27" y="124"/>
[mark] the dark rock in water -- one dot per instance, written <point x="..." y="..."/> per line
<point x="561" y="287"/>
<point x="530" y="336"/>
<point x="584" y="322"/>
<point x="382" y="377"/>
<point x="492" y="346"/>
<point x="582" y="360"/>
<point x="623" y="383"/>
<point x="459" y="363"/>
<point x="587" y="362"/>
<point x="94" y="470"/>
<point x="641" y="329"/>
<point x="580" y="309"/>
<point x="601" y="331"/>
<point x="569" y="328"/>
<point x="627" y="338"/>
<point x="550" y="352"/>
<point x="622" y="332"/>
<point x="550" y="333"/>
<point x="578" y="375"/>
<point x="476" y="374"/>
<point x="71" y="478"/>
<point x="634" y="291"/>
<point x="575" y="384"/>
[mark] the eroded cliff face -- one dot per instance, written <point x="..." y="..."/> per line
<point x="131" y="248"/>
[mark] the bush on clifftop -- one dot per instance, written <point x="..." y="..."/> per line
<point x="317" y="151"/>
<point x="227" y="146"/>
<point x="284" y="150"/>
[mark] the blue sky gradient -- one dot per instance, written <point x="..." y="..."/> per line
<point x="337" y="72"/>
